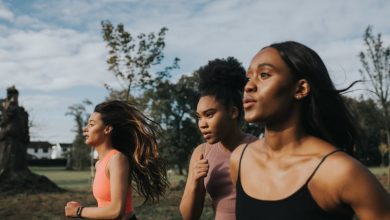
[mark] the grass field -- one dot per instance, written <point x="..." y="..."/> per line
<point x="50" y="206"/>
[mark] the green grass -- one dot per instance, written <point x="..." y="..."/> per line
<point x="65" y="178"/>
<point x="378" y="171"/>
<point x="81" y="179"/>
<point x="79" y="189"/>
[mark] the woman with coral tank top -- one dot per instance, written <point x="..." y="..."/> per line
<point x="126" y="144"/>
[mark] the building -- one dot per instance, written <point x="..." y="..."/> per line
<point x="46" y="150"/>
<point x="39" y="150"/>
<point x="59" y="150"/>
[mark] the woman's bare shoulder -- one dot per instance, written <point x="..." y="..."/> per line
<point x="236" y="154"/>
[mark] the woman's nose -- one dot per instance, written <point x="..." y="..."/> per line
<point x="202" y="123"/>
<point x="250" y="87"/>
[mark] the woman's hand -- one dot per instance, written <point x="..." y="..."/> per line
<point x="201" y="168"/>
<point x="71" y="208"/>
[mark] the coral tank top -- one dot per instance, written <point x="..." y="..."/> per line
<point x="101" y="184"/>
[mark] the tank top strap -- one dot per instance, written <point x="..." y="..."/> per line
<point x="206" y="148"/>
<point x="239" y="162"/>
<point x="319" y="164"/>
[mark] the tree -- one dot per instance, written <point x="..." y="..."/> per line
<point x="173" y="105"/>
<point x="369" y="118"/>
<point x="376" y="67"/>
<point x="132" y="58"/>
<point x="80" y="153"/>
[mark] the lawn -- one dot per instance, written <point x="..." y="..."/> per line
<point x="50" y="206"/>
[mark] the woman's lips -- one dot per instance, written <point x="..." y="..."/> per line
<point x="249" y="102"/>
<point x="207" y="135"/>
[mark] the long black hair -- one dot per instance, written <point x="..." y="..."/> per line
<point x="134" y="135"/>
<point x="324" y="113"/>
<point x="224" y="79"/>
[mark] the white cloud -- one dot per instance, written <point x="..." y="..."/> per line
<point x="5" y="13"/>
<point x="52" y="59"/>
<point x="57" y="45"/>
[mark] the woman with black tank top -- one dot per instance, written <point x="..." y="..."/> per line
<point x="300" y="169"/>
<point x="220" y="113"/>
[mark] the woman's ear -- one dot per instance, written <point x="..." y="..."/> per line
<point x="108" y="129"/>
<point x="234" y="112"/>
<point x="302" y="89"/>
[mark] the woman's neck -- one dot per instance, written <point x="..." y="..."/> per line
<point x="233" y="139"/>
<point x="283" y="139"/>
<point x="103" y="149"/>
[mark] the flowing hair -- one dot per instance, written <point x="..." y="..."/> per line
<point x="324" y="113"/>
<point x="134" y="135"/>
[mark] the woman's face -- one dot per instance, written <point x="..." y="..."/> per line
<point x="95" y="132"/>
<point x="214" y="119"/>
<point x="269" y="93"/>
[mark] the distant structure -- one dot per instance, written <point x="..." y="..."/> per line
<point x="60" y="150"/>
<point x="46" y="150"/>
<point x="15" y="176"/>
<point x="14" y="134"/>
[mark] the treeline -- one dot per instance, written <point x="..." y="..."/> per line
<point x="134" y="60"/>
<point x="372" y="150"/>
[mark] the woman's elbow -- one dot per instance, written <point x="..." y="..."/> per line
<point x="184" y="212"/>
<point x="188" y="214"/>
<point x="117" y="213"/>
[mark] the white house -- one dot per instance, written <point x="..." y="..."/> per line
<point x="59" y="150"/>
<point x="39" y="150"/>
<point x="46" y="150"/>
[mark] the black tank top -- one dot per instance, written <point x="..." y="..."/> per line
<point x="300" y="205"/>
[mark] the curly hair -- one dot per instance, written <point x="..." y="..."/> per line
<point x="224" y="79"/>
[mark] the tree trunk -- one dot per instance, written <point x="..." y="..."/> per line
<point x="69" y="159"/>
<point x="15" y="176"/>
<point x="181" y="173"/>
<point x="388" y="153"/>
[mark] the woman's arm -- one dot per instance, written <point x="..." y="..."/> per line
<point x="118" y="168"/>
<point x="359" y="188"/>
<point x="191" y="205"/>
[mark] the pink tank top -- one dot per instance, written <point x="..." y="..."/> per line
<point x="218" y="183"/>
<point x="101" y="184"/>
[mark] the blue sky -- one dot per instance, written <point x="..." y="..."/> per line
<point x="53" y="52"/>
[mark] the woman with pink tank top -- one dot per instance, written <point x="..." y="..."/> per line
<point x="219" y="112"/>
<point x="126" y="143"/>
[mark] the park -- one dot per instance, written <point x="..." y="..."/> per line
<point x="143" y="67"/>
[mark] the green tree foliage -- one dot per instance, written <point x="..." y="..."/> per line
<point x="131" y="59"/>
<point x="369" y="118"/>
<point x="80" y="154"/>
<point x="172" y="105"/>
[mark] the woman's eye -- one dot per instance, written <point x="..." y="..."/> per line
<point x="209" y="115"/>
<point x="264" y="75"/>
